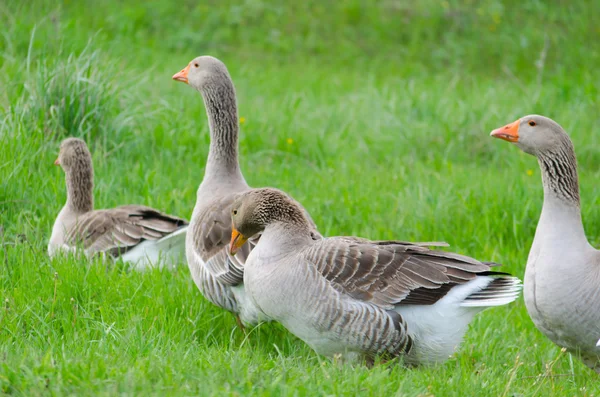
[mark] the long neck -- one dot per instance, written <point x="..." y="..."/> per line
<point x="561" y="214"/>
<point x="221" y="108"/>
<point x="80" y="184"/>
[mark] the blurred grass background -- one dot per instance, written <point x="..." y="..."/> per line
<point x="375" y="116"/>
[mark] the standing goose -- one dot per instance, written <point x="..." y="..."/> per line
<point x="138" y="234"/>
<point x="562" y="278"/>
<point x="218" y="275"/>
<point x="356" y="297"/>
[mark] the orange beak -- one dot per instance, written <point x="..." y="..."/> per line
<point x="57" y="161"/>
<point x="237" y="241"/>
<point x="183" y="75"/>
<point x="510" y="132"/>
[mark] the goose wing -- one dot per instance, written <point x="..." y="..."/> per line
<point x="388" y="273"/>
<point x="119" y="229"/>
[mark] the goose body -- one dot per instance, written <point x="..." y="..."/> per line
<point x="360" y="298"/>
<point x="562" y="277"/>
<point x="137" y="234"/>
<point x="218" y="275"/>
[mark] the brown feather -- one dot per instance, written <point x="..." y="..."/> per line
<point x="389" y="273"/>
<point x="125" y="226"/>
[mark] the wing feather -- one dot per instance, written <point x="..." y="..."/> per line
<point x="211" y="237"/>
<point x="388" y="273"/>
<point x="119" y="229"/>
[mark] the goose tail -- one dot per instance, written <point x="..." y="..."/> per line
<point x="498" y="291"/>
<point x="168" y="250"/>
<point x="174" y="241"/>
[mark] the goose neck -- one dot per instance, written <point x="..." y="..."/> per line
<point x="561" y="213"/>
<point x="559" y="174"/>
<point x="221" y="110"/>
<point x="80" y="185"/>
<point x="280" y="239"/>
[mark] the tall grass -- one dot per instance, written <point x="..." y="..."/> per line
<point x="71" y="94"/>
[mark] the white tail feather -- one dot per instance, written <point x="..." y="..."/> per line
<point x="498" y="291"/>
<point x="438" y="329"/>
<point x="169" y="251"/>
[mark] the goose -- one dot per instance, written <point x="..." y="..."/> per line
<point x="562" y="276"/>
<point x="358" y="298"/>
<point x="218" y="275"/>
<point x="137" y="234"/>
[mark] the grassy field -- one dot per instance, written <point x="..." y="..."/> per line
<point x="376" y="118"/>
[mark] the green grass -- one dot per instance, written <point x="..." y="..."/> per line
<point x="388" y="109"/>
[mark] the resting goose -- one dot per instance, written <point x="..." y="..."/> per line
<point x="355" y="297"/>
<point x="138" y="234"/>
<point x="218" y="275"/>
<point x="562" y="277"/>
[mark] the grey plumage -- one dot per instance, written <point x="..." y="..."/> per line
<point x="117" y="230"/>
<point x="365" y="269"/>
<point x="76" y="160"/>
<point x="218" y="275"/>
<point x="559" y="168"/>
<point x="347" y="295"/>
<point x="112" y="231"/>
<point x="562" y="277"/>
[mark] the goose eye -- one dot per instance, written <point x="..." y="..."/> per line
<point x="234" y="212"/>
<point x="532" y="123"/>
<point x="195" y="65"/>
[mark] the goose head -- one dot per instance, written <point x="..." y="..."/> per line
<point x="255" y="210"/>
<point x="73" y="154"/>
<point x="533" y="134"/>
<point x="202" y="71"/>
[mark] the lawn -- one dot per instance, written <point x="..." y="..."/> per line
<point x="376" y="118"/>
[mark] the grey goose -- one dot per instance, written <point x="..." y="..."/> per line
<point x="355" y="297"/>
<point x="137" y="234"/>
<point x="562" y="277"/>
<point x="218" y="275"/>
